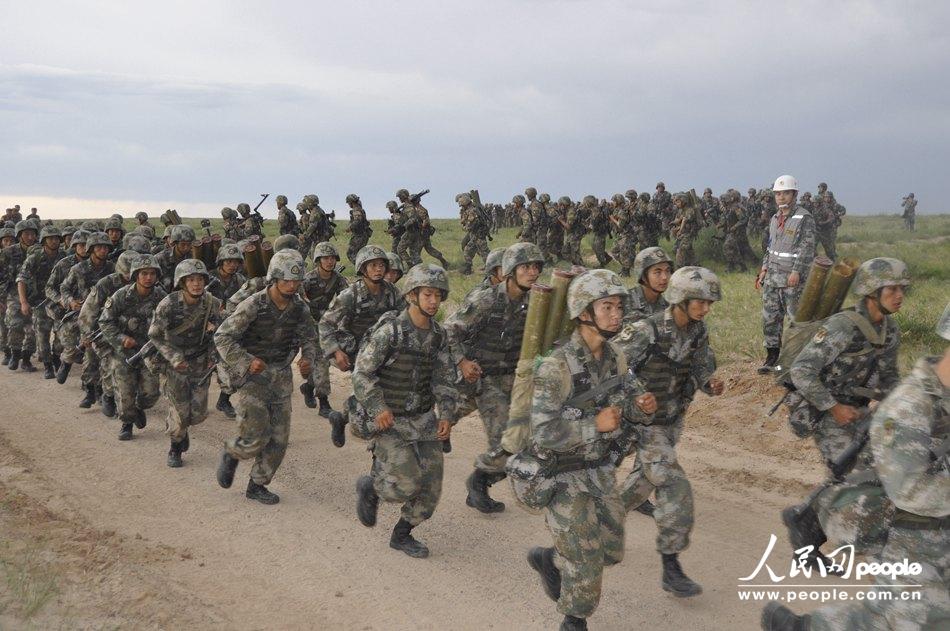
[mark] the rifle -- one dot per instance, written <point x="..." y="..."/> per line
<point x="480" y="210"/>
<point x="206" y="224"/>
<point x="146" y="351"/>
<point x="254" y="212"/>
<point x="414" y="199"/>
<point x="845" y="461"/>
<point x="69" y="316"/>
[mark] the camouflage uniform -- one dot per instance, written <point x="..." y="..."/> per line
<point x="539" y="218"/>
<point x="791" y="249"/>
<point x="909" y="204"/>
<point x="20" y="337"/>
<point x="600" y="227"/>
<point x="34" y="274"/>
<point x="233" y="226"/>
<point x="647" y="221"/>
<point x="625" y="246"/>
<point x="359" y="228"/>
<point x="826" y="224"/>
<point x="577" y="220"/>
<point x="55" y="308"/>
<point x="688" y="225"/>
<point x="636" y="306"/>
<point x="286" y="219"/>
<point x="351" y="313"/>
<point x="258" y="329"/>
<point x="732" y="225"/>
<point x="394" y="227"/>
<point x="712" y="210"/>
<point x="663" y="205"/>
<point x="528" y="232"/>
<point x="476" y="231"/>
<point x="320" y="293"/>
<point x="170" y="258"/>
<point x="80" y="281"/>
<point x="555" y="239"/>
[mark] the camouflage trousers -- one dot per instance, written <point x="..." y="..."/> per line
<point x="409" y="473"/>
<point x="625" y="251"/>
<point x="3" y="329"/>
<point x="106" y="368"/>
<point x="410" y="248"/>
<point x="187" y="395"/>
<point x="555" y="242"/>
<point x="657" y="470"/>
<point x="493" y="398"/>
<point x="43" y="329"/>
<point x="832" y="438"/>
<point x="541" y="238"/>
<point x="909" y="222"/>
<point x="475" y="245"/>
<point x="395" y="246"/>
<point x="19" y="328"/>
<point x="599" y="245"/>
<point x="648" y="239"/>
<point x="929" y="548"/>
<point x="69" y="335"/>
<point x="733" y="253"/>
<point x="320" y="376"/>
<point x="263" y="414"/>
<point x="777" y="302"/>
<point x="357" y="241"/>
<point x="586" y="519"/>
<point x="432" y="251"/>
<point x="684" y="253"/>
<point x="91" y="375"/>
<point x="826" y="237"/>
<point x="136" y="389"/>
<point x="572" y="249"/>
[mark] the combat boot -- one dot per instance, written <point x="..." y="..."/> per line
<point x="14" y="360"/>
<point x="447" y="445"/>
<point x="337" y="428"/>
<point x="777" y="617"/>
<point x="445" y="264"/>
<point x="174" y="455"/>
<point x="804" y="531"/>
<point x="675" y="581"/>
<point x="224" y="405"/>
<point x="26" y="365"/>
<point x="126" y="432"/>
<point x="478" y="498"/>
<point x="108" y="406"/>
<point x="260" y="493"/>
<point x="6" y="357"/>
<point x="325" y="409"/>
<point x="50" y="373"/>
<point x="185" y="443"/>
<point x="367" y="501"/>
<point x="226" y="469"/>
<point x="573" y="623"/>
<point x="771" y="356"/>
<point x="646" y="508"/>
<point x="56" y="363"/>
<point x="90" y="397"/>
<point x="140" y="419"/>
<point x="306" y="389"/>
<point x="63" y="373"/>
<point x="466" y="270"/>
<point x="541" y="561"/>
<point x="402" y="539"/>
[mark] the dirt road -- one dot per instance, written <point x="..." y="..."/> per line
<point x="130" y="543"/>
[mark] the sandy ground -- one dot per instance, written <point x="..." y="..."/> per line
<point x="132" y="543"/>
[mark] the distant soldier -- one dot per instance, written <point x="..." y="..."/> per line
<point x="557" y="214"/>
<point x="181" y="238"/>
<point x="31" y="284"/>
<point x="663" y="205"/>
<point x="233" y="227"/>
<point x="124" y="322"/>
<point x="182" y="331"/>
<point x="394" y="226"/>
<point x="403" y="379"/>
<point x="647" y="221"/>
<point x="826" y="224"/>
<point x="7" y="238"/>
<point x="785" y="265"/>
<point x="670" y="353"/>
<point x="600" y="226"/>
<point x="253" y="285"/>
<point x="34" y="215"/>
<point x="578" y="219"/>
<point x="74" y="253"/>
<point x="710" y="207"/>
<point x="359" y="228"/>
<point x="732" y="226"/>
<point x="258" y="343"/>
<point x="539" y="217"/>
<point x="477" y="229"/>
<point x="319" y="229"/>
<point x="528" y="230"/>
<point x="321" y="285"/>
<point x="252" y="222"/>
<point x="18" y="320"/>
<point x="910" y="211"/>
<point x="396" y="268"/>
<point x="116" y="230"/>
<point x="142" y="218"/>
<point x="286" y="218"/>
<point x="652" y="269"/>
<point x="685" y="229"/>
<point x="625" y="246"/>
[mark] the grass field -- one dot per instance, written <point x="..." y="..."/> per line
<point x="736" y="323"/>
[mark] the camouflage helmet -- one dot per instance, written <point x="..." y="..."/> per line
<point x="591" y="286"/>
<point x="116" y="216"/>
<point x="325" y="248"/>
<point x="6" y="232"/>
<point x="228" y="252"/>
<point x="50" y="231"/>
<point x="181" y="233"/>
<point x="806" y="195"/>
<point x="644" y="197"/>
<point x="631" y="194"/>
<point x="79" y="236"/>
<point x="369" y="253"/>
<point x="402" y="193"/>
<point x="618" y="198"/>
<point x="564" y="200"/>
<point x="544" y="198"/>
<point x="189" y="267"/>
<point x="531" y="191"/>
<point x="98" y="238"/>
<point x="707" y="191"/>
<point x="822" y="185"/>
<point x="463" y="199"/>
<point x="425" y="275"/>
<point x="281" y="200"/>
<point x="286" y="241"/>
<point x="69" y="229"/>
<point x="660" y="185"/>
<point x="589" y="200"/>
<point x="519" y="254"/>
<point x="114" y="223"/>
<point x="228" y="213"/>
<point x="391" y="205"/>
<point x="137" y="243"/>
<point x="141" y="216"/>
<point x="943" y="327"/>
<point x="395" y="262"/>
<point x="286" y="265"/>
<point x="123" y="264"/>
<point x="146" y="231"/>
<point x="167" y="233"/>
<point x="144" y="261"/>
<point x="493" y="260"/>
<point x="90" y="226"/>
<point x="693" y="283"/>
<point x="518" y="199"/>
<point x="352" y="198"/>
<point x="244" y="208"/>
<point x="647" y="258"/>
<point x="24" y="225"/>
<point x="879" y="272"/>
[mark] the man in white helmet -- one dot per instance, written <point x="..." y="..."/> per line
<point x="789" y="254"/>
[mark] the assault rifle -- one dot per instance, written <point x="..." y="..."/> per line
<point x="414" y="199"/>
<point x="254" y="212"/>
<point x="147" y="350"/>
<point x="482" y="213"/>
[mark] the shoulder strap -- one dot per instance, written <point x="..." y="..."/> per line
<point x="866" y="328"/>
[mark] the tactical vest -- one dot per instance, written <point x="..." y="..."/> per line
<point x="406" y="376"/>
<point x="271" y="336"/>
<point x="496" y="345"/>
<point x="321" y="296"/>
<point x="366" y="311"/>
<point x="665" y="378"/>
<point x="41" y="273"/>
<point x="90" y="275"/>
<point x="781" y="249"/>
<point x="136" y="311"/>
<point x="16" y="255"/>
<point x="185" y="329"/>
<point x="864" y="351"/>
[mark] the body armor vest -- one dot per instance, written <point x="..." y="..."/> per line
<point x="664" y="377"/>
<point x="496" y="345"/>
<point x="406" y="377"/>
<point x="367" y="310"/>
<point x="271" y="336"/>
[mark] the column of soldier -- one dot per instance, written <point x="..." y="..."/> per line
<point x="616" y="384"/>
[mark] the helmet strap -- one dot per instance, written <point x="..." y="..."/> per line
<point x="593" y="324"/>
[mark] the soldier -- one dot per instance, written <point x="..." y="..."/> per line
<point x="350" y="315"/>
<point x="257" y="283"/>
<point x="304" y="214"/>
<point x="485" y="337"/>
<point x="625" y="247"/>
<point x="7" y="239"/>
<point x="404" y="374"/>
<point x="539" y="217"/>
<point x="576" y="227"/>
<point x="426" y="232"/>
<point x="124" y="322"/>
<point x="909" y="205"/>
<point x="252" y="223"/>
<point x="233" y="227"/>
<point x="286" y="219"/>
<point x="142" y="218"/>
<point x="230" y="280"/>
<point x="116" y="231"/>
<point x="555" y="239"/>
<point x="477" y="229"/>
<point x="88" y="320"/>
<point x="320" y="227"/>
<point x="663" y="207"/>
<point x="826" y="224"/>
<point x="652" y="269"/>
<point x="181" y="239"/>
<point x="19" y="333"/>
<point x="528" y="232"/>
<point x="257" y="344"/>
<point x="395" y="271"/>
<point x="784" y="266"/>
<point x="647" y="222"/>
<point x="575" y="415"/>
<point x="600" y="225"/>
<point x="34" y="216"/>
<point x="710" y="207"/>
<point x="321" y="286"/>
<point x="669" y="351"/>
<point x="685" y="229"/>
<point x="908" y="438"/>
<point x="31" y="284"/>
<point x="181" y="331"/>
<point x="359" y="228"/>
<point x="732" y="224"/>
<point x="395" y="228"/>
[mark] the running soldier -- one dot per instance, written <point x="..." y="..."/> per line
<point x="19" y="330"/>
<point x="600" y="227"/>
<point x="182" y="237"/>
<point x="625" y="247"/>
<point x="688" y="223"/>
<point x="31" y="284"/>
<point x="321" y="286"/>
<point x="652" y="268"/>
<point x="476" y="227"/>
<point x="359" y="228"/>
<point x="909" y="204"/>
<point x="647" y="221"/>
<point x="227" y="280"/>
<point x="286" y="219"/>
<point x="732" y="226"/>
<point x="578" y="218"/>
<point x="539" y="217"/>
<point x="76" y="253"/>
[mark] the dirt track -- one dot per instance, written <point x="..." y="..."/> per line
<point x="136" y="544"/>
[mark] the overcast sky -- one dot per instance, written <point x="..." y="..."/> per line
<point x="132" y="106"/>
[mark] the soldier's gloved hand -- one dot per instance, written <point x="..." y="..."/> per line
<point x="793" y="279"/>
<point x="128" y="342"/>
<point x="342" y="361"/>
<point x="716" y="386"/>
<point x="257" y="366"/>
<point x="470" y="370"/>
<point x="844" y="414"/>
<point x="305" y="367"/>
<point x="182" y="366"/>
<point x="444" y="430"/>
<point x="608" y="419"/>
<point x="384" y="420"/>
<point x="646" y="403"/>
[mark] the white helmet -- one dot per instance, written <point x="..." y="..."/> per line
<point x="785" y="183"/>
